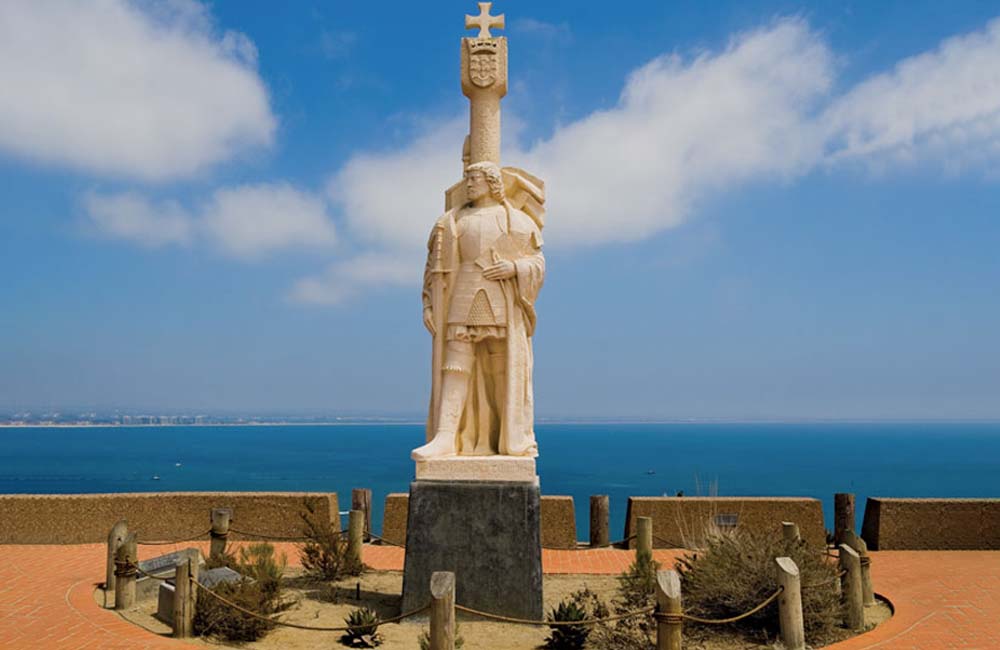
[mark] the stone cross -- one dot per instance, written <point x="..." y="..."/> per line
<point x="484" y="21"/>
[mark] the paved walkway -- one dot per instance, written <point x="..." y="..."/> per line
<point x="943" y="600"/>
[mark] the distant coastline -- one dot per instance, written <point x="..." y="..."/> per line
<point x="553" y="421"/>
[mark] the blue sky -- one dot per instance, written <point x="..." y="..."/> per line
<point x="755" y="210"/>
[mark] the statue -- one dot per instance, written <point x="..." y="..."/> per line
<point x="475" y="501"/>
<point x="483" y="274"/>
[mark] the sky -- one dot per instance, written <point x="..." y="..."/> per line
<point x="754" y="210"/>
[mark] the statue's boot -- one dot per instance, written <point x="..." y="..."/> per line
<point x="454" y="390"/>
<point x="442" y="445"/>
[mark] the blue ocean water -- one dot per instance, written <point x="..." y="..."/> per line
<point x="621" y="460"/>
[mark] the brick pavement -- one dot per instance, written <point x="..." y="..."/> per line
<point x="944" y="600"/>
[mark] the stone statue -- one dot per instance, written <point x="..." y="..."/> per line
<point x="484" y="271"/>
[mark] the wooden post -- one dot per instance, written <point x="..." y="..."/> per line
<point x="115" y="539"/>
<point x="850" y="562"/>
<point x="790" y="531"/>
<point x="220" y="531"/>
<point x="355" y="535"/>
<point x="843" y="516"/>
<point x="867" y="590"/>
<point x="361" y="499"/>
<point x="668" y="609"/>
<point x="442" y="610"/>
<point x="793" y="631"/>
<point x="183" y="600"/>
<point x="599" y="506"/>
<point x="126" y="561"/>
<point x="644" y="540"/>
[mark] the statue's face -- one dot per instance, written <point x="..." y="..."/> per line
<point x="476" y="186"/>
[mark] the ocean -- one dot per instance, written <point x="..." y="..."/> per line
<point x="621" y="460"/>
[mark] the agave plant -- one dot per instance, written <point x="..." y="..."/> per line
<point x="363" y="632"/>
<point x="567" y="637"/>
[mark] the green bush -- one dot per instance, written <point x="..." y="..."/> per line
<point x="567" y="637"/>
<point x="324" y="554"/>
<point x="364" y="624"/>
<point x="736" y="571"/>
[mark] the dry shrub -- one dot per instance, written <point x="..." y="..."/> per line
<point x="259" y="591"/>
<point x="636" y="591"/>
<point x="736" y="571"/>
<point x="324" y="554"/>
<point x="214" y="618"/>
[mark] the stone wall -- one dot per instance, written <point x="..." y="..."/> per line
<point x="558" y="520"/>
<point x="931" y="524"/>
<point x="82" y="518"/>
<point x="681" y="522"/>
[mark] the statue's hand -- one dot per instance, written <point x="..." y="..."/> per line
<point x="500" y="271"/>
<point x="429" y="321"/>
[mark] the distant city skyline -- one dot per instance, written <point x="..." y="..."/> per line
<point x="778" y="210"/>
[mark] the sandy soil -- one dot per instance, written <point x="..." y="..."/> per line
<point x="322" y="604"/>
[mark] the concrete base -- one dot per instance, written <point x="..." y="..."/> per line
<point x="477" y="468"/>
<point x="487" y="533"/>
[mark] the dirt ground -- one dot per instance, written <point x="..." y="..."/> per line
<point x="321" y="604"/>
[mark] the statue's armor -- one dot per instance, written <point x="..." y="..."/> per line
<point x="476" y="301"/>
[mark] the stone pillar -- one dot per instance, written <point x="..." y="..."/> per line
<point x="442" y="610"/>
<point x="361" y="499"/>
<point x="126" y="563"/>
<point x="220" y="531"/>
<point x="355" y="536"/>
<point x="843" y="516"/>
<point x="116" y="537"/>
<point x="790" y="531"/>
<point x="669" y="623"/>
<point x="644" y="539"/>
<point x="599" y="520"/>
<point x="850" y="563"/>
<point x="793" y="632"/>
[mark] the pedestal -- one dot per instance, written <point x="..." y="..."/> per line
<point x="488" y="533"/>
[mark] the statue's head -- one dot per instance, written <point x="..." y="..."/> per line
<point x="482" y="178"/>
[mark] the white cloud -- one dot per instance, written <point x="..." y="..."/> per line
<point x="134" y="218"/>
<point x="139" y="90"/>
<point x="250" y="220"/>
<point x="942" y="105"/>
<point x="392" y="198"/>
<point x="680" y="131"/>
<point x="345" y="279"/>
<point x="246" y="221"/>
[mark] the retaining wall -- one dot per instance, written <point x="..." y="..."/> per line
<point x="558" y="520"/>
<point x="681" y="522"/>
<point x="83" y="518"/>
<point x="931" y="524"/>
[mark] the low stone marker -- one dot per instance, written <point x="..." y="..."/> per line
<point x="668" y="610"/>
<point x="850" y="563"/>
<point x="442" y="610"/>
<point x="210" y="578"/>
<point x="162" y="566"/>
<point x="126" y="559"/>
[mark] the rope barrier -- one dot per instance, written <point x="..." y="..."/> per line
<point x="178" y="541"/>
<point x="383" y="540"/>
<point x="524" y="621"/>
<point x="281" y="538"/>
<point x="315" y="628"/>
<point x="722" y="621"/>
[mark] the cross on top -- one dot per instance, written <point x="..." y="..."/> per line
<point x="484" y="21"/>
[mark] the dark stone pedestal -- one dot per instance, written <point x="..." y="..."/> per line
<point x="487" y="533"/>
